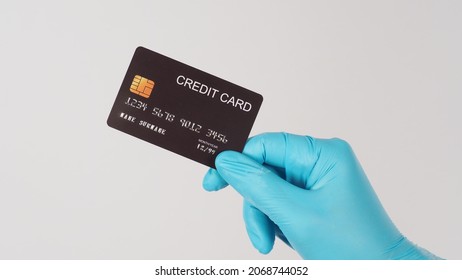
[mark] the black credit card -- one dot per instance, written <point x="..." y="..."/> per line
<point x="183" y="109"/>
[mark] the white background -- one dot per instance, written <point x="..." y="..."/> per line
<point x="384" y="75"/>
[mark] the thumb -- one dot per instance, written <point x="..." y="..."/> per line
<point x="258" y="185"/>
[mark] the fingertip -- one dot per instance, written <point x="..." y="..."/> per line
<point x="265" y="248"/>
<point x="259" y="229"/>
<point x="213" y="181"/>
<point x="232" y="162"/>
<point x="268" y="148"/>
<point x="226" y="157"/>
<point x="262" y="245"/>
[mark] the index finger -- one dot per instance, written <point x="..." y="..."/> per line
<point x="279" y="149"/>
<point x="295" y="154"/>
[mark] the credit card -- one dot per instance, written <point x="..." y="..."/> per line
<point x="183" y="109"/>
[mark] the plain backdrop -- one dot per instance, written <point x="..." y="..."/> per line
<point x="384" y="75"/>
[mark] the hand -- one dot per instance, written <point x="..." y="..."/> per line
<point x="312" y="194"/>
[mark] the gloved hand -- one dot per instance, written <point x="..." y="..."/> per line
<point x="314" y="195"/>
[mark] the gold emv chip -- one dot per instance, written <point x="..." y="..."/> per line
<point x="142" y="86"/>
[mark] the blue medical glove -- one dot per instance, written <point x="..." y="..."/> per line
<point x="314" y="195"/>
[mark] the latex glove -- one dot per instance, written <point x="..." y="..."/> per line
<point x="314" y="195"/>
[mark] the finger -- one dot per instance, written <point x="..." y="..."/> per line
<point x="212" y="181"/>
<point x="296" y="154"/>
<point x="277" y="148"/>
<point x="258" y="185"/>
<point x="260" y="228"/>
